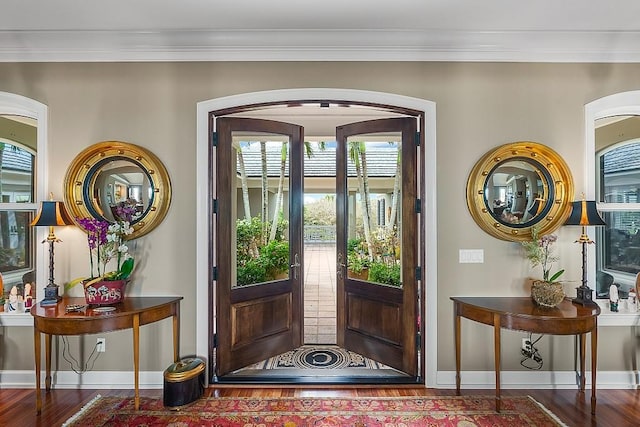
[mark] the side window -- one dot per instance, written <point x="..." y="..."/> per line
<point x="16" y="190"/>
<point x="23" y="173"/>
<point x="618" y="194"/>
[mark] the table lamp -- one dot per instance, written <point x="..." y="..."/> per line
<point x="51" y="214"/>
<point x="584" y="213"/>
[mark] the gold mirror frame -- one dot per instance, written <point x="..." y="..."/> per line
<point x="556" y="180"/>
<point x="81" y="176"/>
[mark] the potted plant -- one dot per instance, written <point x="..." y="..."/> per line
<point x="358" y="265"/>
<point x="276" y="259"/>
<point x="106" y="242"/>
<point x="547" y="292"/>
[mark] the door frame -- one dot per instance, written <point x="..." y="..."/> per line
<point x="205" y="322"/>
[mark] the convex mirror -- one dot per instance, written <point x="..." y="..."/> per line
<point x="115" y="173"/>
<point x="517" y="186"/>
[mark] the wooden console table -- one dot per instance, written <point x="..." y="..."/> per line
<point x="521" y="313"/>
<point x="131" y="313"/>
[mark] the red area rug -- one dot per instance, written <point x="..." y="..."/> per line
<point x="463" y="411"/>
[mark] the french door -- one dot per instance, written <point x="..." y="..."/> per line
<point x="259" y="314"/>
<point x="378" y="311"/>
<point x="257" y="217"/>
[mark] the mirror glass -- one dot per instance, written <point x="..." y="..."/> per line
<point x="113" y="182"/>
<point x="110" y="176"/>
<point x="517" y="186"/>
<point x="517" y="192"/>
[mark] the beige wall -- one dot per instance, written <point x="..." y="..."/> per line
<point x="479" y="106"/>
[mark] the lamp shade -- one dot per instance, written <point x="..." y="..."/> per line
<point x="584" y="213"/>
<point x="52" y="213"/>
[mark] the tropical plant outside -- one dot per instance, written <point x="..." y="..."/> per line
<point x="258" y="262"/>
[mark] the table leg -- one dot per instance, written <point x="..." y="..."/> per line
<point x="36" y="347"/>
<point x="496" y="352"/>
<point x="176" y="332"/>
<point x="583" y="349"/>
<point x="47" y="353"/>
<point x="458" y="348"/>
<point x="594" y="367"/>
<point x="136" y="359"/>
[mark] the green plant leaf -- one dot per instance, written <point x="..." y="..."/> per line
<point x="125" y="269"/>
<point x="555" y="276"/>
<point x="73" y="283"/>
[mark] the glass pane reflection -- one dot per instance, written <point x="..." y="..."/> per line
<point x="262" y="209"/>
<point x="374" y="229"/>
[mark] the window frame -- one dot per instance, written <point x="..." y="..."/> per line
<point x="619" y="276"/>
<point x="18" y="105"/>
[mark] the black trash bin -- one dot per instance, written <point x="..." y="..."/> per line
<point x="183" y="383"/>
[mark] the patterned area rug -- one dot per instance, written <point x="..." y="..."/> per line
<point x="453" y="411"/>
<point x="318" y="357"/>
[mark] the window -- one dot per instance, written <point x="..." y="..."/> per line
<point x="17" y="204"/>
<point x="617" y="161"/>
<point x="23" y="141"/>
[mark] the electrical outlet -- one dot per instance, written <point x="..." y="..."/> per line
<point x="527" y="350"/>
<point x="101" y="345"/>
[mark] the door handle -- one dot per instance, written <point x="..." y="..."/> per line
<point x="295" y="266"/>
<point x="341" y="265"/>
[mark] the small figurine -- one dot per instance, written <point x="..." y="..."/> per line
<point x="613" y="298"/>
<point x="632" y="301"/>
<point x="13" y="299"/>
<point x="28" y="299"/>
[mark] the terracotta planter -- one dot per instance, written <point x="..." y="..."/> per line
<point x="547" y="294"/>
<point x="363" y="275"/>
<point x="105" y="292"/>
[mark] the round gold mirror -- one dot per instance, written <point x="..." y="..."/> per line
<point x="111" y="174"/>
<point x="518" y="186"/>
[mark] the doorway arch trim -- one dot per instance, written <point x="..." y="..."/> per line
<point x="425" y="107"/>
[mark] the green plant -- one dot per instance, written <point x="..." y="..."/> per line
<point x="276" y="257"/>
<point x="357" y="262"/>
<point x="253" y="271"/>
<point x="539" y="252"/>
<point x="380" y="272"/>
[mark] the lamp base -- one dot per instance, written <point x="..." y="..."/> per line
<point x="584" y="296"/>
<point x="51" y="296"/>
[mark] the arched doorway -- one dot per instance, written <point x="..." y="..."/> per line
<point x="281" y="104"/>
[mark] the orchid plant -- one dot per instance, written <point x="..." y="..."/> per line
<point x="539" y="252"/>
<point x="106" y="242"/>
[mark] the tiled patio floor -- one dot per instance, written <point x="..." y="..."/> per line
<point x="320" y="293"/>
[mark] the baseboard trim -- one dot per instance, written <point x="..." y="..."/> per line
<point x="536" y="379"/>
<point x="88" y="380"/>
<point x="445" y="379"/>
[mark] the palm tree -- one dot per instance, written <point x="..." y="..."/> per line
<point x="276" y="212"/>
<point x="264" y="213"/>
<point x="245" y="186"/>
<point x="279" y="198"/>
<point x="396" y="192"/>
<point x="354" y="155"/>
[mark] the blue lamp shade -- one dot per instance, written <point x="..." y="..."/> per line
<point x="584" y="213"/>
<point x="52" y="213"/>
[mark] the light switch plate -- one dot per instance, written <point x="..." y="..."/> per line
<point x="471" y="256"/>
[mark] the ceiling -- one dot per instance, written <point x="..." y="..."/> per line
<point x="259" y="30"/>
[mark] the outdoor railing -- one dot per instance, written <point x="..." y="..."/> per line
<point x="319" y="234"/>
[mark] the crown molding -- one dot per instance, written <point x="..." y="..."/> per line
<point x="320" y="45"/>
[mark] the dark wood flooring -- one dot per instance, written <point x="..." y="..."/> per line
<point x="616" y="408"/>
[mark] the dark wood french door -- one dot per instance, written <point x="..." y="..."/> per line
<point x="378" y="310"/>
<point x="258" y="304"/>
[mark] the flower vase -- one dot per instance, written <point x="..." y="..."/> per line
<point x="104" y="292"/>
<point x="547" y="294"/>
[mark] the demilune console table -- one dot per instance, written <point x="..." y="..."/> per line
<point x="521" y="313"/>
<point x="131" y="313"/>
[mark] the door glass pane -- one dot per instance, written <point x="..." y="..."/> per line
<point x="261" y="208"/>
<point x="374" y="229"/>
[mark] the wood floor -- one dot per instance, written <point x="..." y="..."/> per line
<point x="616" y="408"/>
